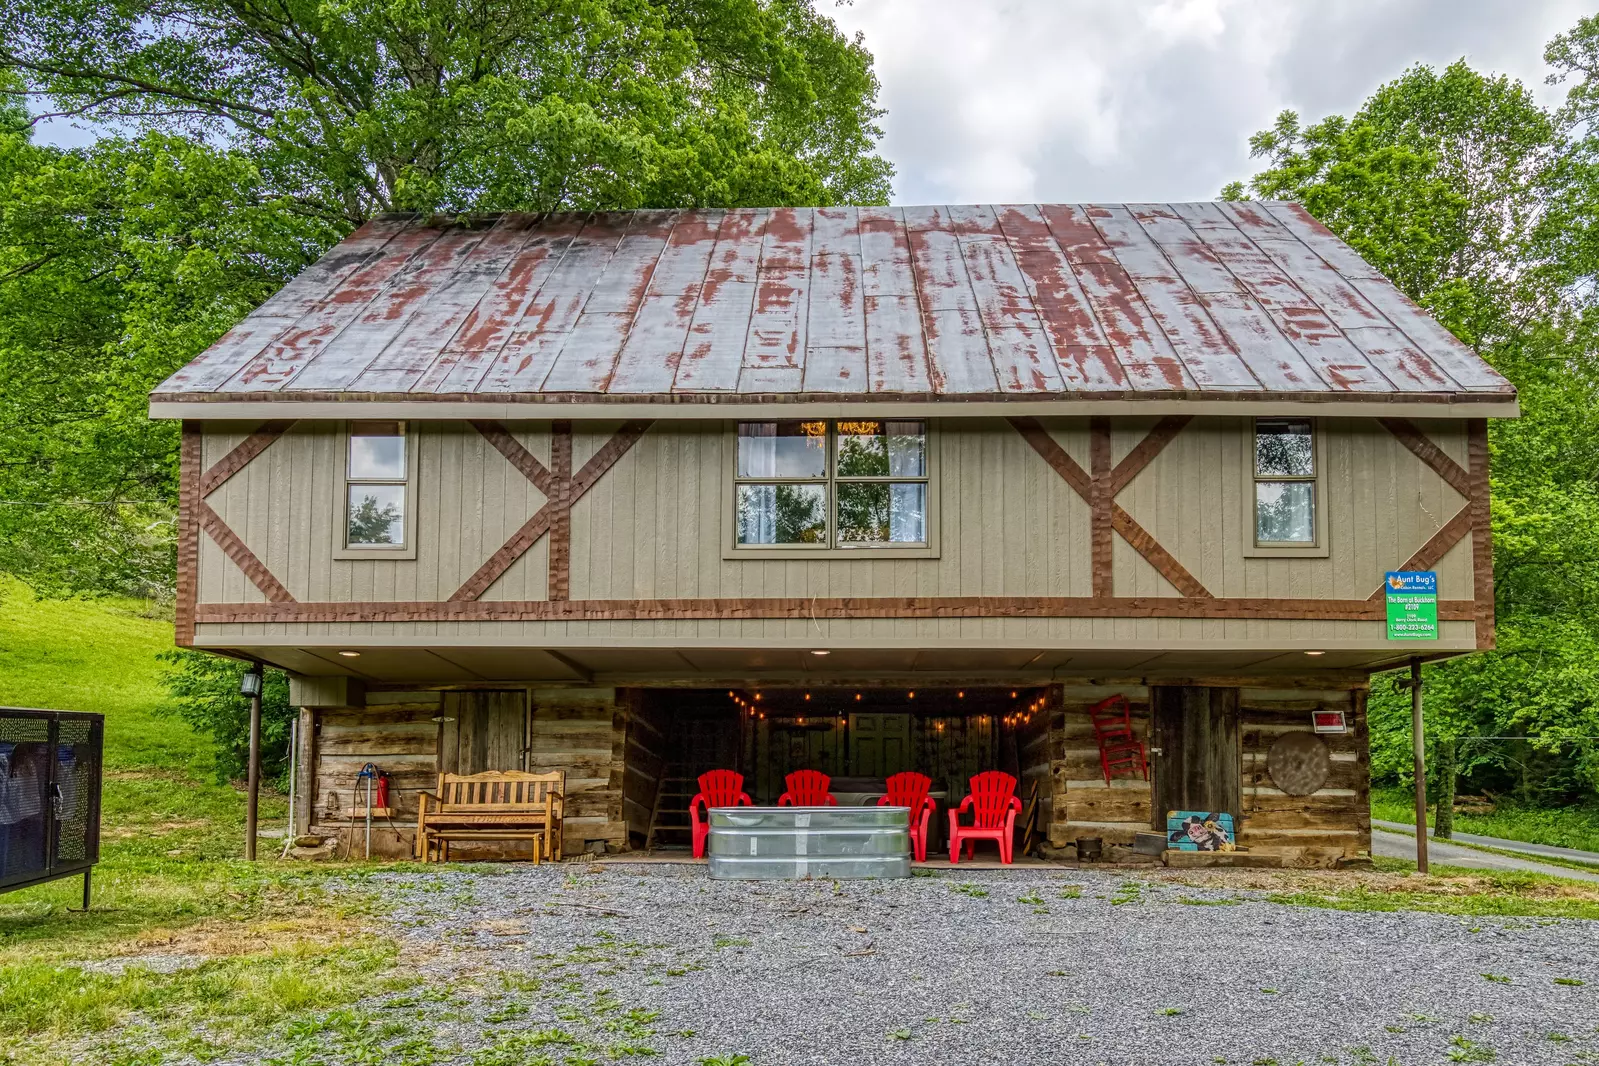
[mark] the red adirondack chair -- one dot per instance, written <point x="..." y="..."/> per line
<point x="994" y="807"/>
<point x="1119" y="746"/>
<point x="909" y="789"/>
<point x="807" y="788"/>
<point x="718" y="788"/>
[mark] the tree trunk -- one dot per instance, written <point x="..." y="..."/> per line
<point x="1443" y="818"/>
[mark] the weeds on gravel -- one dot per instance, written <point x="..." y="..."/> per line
<point x="970" y="888"/>
<point x="1464" y="1050"/>
<point x="1193" y="902"/>
<point x="1127" y="892"/>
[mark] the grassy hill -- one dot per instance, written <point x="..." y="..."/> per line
<point x="161" y="795"/>
<point x="74" y="655"/>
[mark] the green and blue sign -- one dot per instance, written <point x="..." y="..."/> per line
<point x="1412" y="604"/>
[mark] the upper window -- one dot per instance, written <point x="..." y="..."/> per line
<point x="1285" y="482"/>
<point x="376" y="482"/>
<point x="846" y="484"/>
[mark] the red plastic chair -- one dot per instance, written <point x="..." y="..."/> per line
<point x="909" y="789"/>
<point x="807" y="788"/>
<point x="994" y="808"/>
<point x="1119" y="746"/>
<point x="718" y="788"/>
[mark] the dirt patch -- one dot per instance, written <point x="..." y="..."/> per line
<point x="144" y="829"/>
<point x="216" y="939"/>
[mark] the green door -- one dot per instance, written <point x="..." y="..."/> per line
<point x="879" y="744"/>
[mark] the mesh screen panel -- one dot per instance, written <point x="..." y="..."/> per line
<point x="50" y="765"/>
<point x="24" y="779"/>
<point x="77" y="768"/>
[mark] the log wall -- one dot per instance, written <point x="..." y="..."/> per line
<point x="1338" y="815"/>
<point x="581" y="731"/>
<point x="1333" y="822"/>
<point x="584" y="731"/>
<point x="1083" y="804"/>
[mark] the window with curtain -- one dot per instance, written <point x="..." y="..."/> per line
<point x="843" y="484"/>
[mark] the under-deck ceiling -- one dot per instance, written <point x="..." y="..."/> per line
<point x="684" y="666"/>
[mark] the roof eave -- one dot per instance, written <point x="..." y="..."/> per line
<point x="687" y="405"/>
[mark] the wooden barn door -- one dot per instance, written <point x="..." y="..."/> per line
<point x="489" y="732"/>
<point x="1194" y="750"/>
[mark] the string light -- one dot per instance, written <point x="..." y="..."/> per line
<point x="911" y="694"/>
<point x="807" y="697"/>
<point x="857" y="697"/>
<point x="757" y="695"/>
<point x="961" y="694"/>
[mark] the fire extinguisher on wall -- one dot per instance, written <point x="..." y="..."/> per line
<point x="382" y="800"/>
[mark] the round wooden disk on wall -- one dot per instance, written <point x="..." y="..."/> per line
<point x="1298" y="763"/>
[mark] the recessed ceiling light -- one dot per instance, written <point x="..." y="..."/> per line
<point x="1315" y="653"/>
<point x="350" y="654"/>
<point x="820" y="651"/>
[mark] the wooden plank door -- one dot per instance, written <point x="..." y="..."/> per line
<point x="1194" y="753"/>
<point x="489" y="732"/>
<point x="879" y="744"/>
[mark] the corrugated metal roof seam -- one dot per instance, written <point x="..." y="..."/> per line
<point x="1250" y="300"/>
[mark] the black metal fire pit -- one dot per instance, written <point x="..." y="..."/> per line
<point x="50" y="765"/>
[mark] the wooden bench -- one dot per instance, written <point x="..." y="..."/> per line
<point x="497" y="805"/>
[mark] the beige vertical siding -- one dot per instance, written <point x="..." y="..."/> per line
<point x="656" y="526"/>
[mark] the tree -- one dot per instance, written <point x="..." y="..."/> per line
<point x="480" y="105"/>
<point x="1440" y="181"/>
<point x="1479" y="205"/>
<point x="205" y="693"/>
<point x="118" y="263"/>
<point x="372" y="524"/>
<point x="244" y="139"/>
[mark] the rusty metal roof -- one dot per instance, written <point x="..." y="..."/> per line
<point x="1244" y="300"/>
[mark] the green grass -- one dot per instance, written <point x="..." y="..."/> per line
<point x="1456" y="890"/>
<point x="97" y="655"/>
<point x="267" y="941"/>
<point x="1561" y="827"/>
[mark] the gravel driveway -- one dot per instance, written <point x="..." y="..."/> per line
<point x="579" y="964"/>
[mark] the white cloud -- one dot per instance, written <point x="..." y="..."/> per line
<point x="1073" y="100"/>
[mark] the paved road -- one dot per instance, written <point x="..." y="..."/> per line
<point x="1403" y="846"/>
<point x="1503" y="844"/>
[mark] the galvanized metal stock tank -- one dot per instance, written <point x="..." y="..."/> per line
<point x="765" y="843"/>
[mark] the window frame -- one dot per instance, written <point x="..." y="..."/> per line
<point x="831" y="550"/>
<point x="342" y="548"/>
<point x="1318" y="548"/>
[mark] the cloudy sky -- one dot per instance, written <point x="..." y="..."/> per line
<point x="1082" y="100"/>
